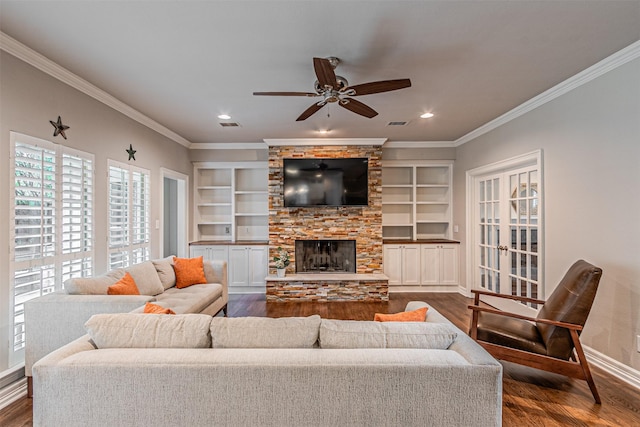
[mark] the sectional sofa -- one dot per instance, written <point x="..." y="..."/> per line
<point x="56" y="319"/>
<point x="204" y="371"/>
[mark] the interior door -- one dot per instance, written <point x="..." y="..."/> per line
<point x="507" y="238"/>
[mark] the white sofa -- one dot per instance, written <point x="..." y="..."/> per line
<point x="204" y="371"/>
<point x="56" y="319"/>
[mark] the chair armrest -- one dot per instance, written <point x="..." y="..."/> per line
<point x="479" y="292"/>
<point x="570" y="326"/>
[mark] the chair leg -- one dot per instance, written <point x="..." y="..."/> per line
<point x="29" y="386"/>
<point x="224" y="311"/>
<point x="585" y="366"/>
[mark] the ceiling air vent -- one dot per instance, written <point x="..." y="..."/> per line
<point x="397" y="123"/>
<point x="229" y="125"/>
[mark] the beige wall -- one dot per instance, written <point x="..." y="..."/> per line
<point x="29" y="99"/>
<point x="590" y="139"/>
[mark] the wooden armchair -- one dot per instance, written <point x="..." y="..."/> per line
<point x="550" y="341"/>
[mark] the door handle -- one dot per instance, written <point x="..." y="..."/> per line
<point x="503" y="248"/>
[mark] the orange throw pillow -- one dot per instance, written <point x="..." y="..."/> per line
<point x="150" y="308"/>
<point x="189" y="271"/>
<point x="124" y="286"/>
<point x="419" y="315"/>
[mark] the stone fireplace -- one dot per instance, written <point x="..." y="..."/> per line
<point x="325" y="256"/>
<point x="361" y="278"/>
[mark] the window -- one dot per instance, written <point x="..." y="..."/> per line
<point x="52" y="214"/>
<point x="129" y="227"/>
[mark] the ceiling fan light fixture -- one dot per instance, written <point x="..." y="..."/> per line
<point x="426" y="115"/>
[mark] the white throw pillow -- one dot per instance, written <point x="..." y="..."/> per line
<point x="146" y="278"/>
<point x="166" y="273"/>
<point x="364" y="334"/>
<point x="264" y="332"/>
<point x="134" y="330"/>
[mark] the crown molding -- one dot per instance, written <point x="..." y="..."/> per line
<point x="324" y="141"/>
<point x="229" y="146"/>
<point x="419" y="144"/>
<point x="44" y="64"/>
<point x="612" y="62"/>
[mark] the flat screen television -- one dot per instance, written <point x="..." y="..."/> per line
<point x="326" y="182"/>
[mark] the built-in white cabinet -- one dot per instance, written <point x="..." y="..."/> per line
<point x="416" y="199"/>
<point x="418" y="265"/>
<point x="210" y="252"/>
<point x="248" y="266"/>
<point x="439" y="264"/>
<point x="402" y="264"/>
<point x="231" y="201"/>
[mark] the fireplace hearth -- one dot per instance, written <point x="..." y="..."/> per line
<point x="325" y="256"/>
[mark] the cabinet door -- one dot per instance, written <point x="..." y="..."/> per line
<point x="238" y="266"/>
<point x="257" y="257"/>
<point x="449" y="265"/>
<point x="218" y="253"/>
<point x="392" y="262"/>
<point x="411" y="265"/>
<point x="199" y="250"/>
<point x="430" y="264"/>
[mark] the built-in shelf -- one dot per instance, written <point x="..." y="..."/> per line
<point x="231" y="201"/>
<point x="416" y="199"/>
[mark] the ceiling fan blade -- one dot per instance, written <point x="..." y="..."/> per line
<point x="377" y="87"/>
<point x="358" y="107"/>
<point x="285" y="94"/>
<point x="310" y="111"/>
<point x="324" y="72"/>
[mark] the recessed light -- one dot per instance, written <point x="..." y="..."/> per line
<point x="224" y="116"/>
<point x="323" y="131"/>
<point x="426" y="115"/>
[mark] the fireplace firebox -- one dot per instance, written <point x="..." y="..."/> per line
<point x="325" y="256"/>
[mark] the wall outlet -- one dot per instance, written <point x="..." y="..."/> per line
<point x="227" y="230"/>
<point x="638" y="343"/>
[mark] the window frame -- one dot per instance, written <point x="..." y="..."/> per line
<point x="59" y="258"/>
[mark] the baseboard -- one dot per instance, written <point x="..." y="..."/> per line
<point x="12" y="392"/>
<point x="611" y="366"/>
<point x="421" y="289"/>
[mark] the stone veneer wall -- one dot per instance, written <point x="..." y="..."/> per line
<point x="362" y="224"/>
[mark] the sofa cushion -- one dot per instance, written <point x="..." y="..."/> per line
<point x="146" y="278"/>
<point x="263" y="332"/>
<point x="92" y="285"/>
<point x="124" y="286"/>
<point x="419" y="315"/>
<point x="189" y="271"/>
<point x="166" y="273"/>
<point x="364" y="334"/>
<point x="128" y="330"/>
<point x="192" y="299"/>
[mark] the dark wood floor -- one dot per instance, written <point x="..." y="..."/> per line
<point x="530" y="397"/>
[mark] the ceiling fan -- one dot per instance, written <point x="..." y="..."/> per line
<point x="334" y="88"/>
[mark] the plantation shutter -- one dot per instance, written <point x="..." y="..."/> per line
<point x="77" y="216"/>
<point x="129" y="228"/>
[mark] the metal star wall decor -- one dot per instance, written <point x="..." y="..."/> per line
<point x="60" y="128"/>
<point x="132" y="152"/>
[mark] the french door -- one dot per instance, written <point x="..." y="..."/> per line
<point x="507" y="239"/>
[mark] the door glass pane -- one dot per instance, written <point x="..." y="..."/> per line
<point x="534" y="240"/>
<point x="481" y="191"/>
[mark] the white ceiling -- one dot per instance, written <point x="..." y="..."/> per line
<point x="182" y="63"/>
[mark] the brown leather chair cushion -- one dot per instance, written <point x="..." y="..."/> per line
<point x="570" y="302"/>
<point x="510" y="332"/>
